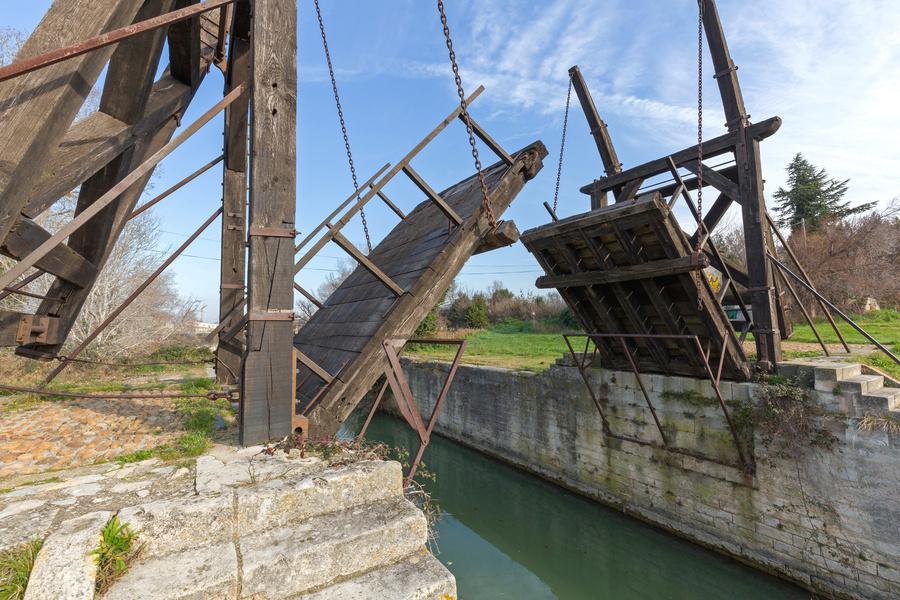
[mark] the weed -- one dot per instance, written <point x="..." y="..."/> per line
<point x="788" y="419"/>
<point x="137" y="456"/>
<point x="115" y="554"/>
<point x="186" y="464"/>
<point x="15" y="568"/>
<point x="879" y="422"/>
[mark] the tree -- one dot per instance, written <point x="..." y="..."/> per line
<point x="812" y="197"/>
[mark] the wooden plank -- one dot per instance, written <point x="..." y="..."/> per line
<point x="599" y="217"/>
<point x="312" y="366"/>
<point x="37" y="108"/>
<point x="711" y="148"/>
<point x="713" y="216"/>
<point x="629" y="190"/>
<point x="432" y="195"/>
<point x="62" y="261"/>
<point x="506" y="234"/>
<point x="232" y="275"/>
<point x="646" y="270"/>
<point x="267" y="408"/>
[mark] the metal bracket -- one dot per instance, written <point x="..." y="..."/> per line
<point x="231" y="286"/>
<point x="403" y="396"/>
<point x="27" y="329"/>
<point x="273" y="232"/>
<point x="271" y="316"/>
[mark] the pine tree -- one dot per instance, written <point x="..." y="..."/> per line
<point x="812" y="196"/>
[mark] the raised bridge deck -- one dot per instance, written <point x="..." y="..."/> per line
<point x="422" y="256"/>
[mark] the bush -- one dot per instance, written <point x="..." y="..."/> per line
<point x="477" y="313"/>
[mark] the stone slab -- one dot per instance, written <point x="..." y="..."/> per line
<point x="198" y="574"/>
<point x="64" y="569"/>
<point x="419" y="577"/>
<point x="307" y="555"/>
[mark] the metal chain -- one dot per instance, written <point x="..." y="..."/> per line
<point x="699" y="149"/>
<point x="562" y="144"/>
<point x="337" y="101"/>
<point x="465" y="112"/>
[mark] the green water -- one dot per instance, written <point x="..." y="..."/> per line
<point x="512" y="535"/>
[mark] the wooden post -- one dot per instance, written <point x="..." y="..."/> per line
<point x="757" y="237"/>
<point x="234" y="198"/>
<point x="267" y="400"/>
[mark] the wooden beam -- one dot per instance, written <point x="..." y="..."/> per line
<point x="431" y="194"/>
<point x="185" y="48"/>
<point x="36" y="109"/>
<point x="234" y="198"/>
<point x="366" y="264"/>
<point x="312" y="366"/>
<point x="718" y="181"/>
<point x="725" y="71"/>
<point x="611" y="164"/>
<point x="95" y="140"/>
<point x="711" y="148"/>
<point x="488" y="141"/>
<point x="656" y="268"/>
<point x="506" y="234"/>
<point x="61" y="261"/>
<point x="267" y="407"/>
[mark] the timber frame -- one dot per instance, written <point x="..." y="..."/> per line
<point x="759" y="290"/>
<point x="108" y="157"/>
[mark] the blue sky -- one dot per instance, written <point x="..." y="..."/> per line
<point x="828" y="68"/>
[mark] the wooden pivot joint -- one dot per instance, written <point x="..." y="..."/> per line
<point x="504" y="234"/>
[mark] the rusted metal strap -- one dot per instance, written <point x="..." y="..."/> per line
<point x="271" y="316"/>
<point x="55" y="56"/>
<point x="231" y="286"/>
<point x="272" y="232"/>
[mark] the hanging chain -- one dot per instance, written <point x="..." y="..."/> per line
<point x="699" y="150"/>
<point x="562" y="144"/>
<point x="465" y="112"/>
<point x="337" y="101"/>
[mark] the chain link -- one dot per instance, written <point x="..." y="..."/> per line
<point x="337" y="101"/>
<point x="562" y="144"/>
<point x="465" y="112"/>
<point x="699" y="150"/>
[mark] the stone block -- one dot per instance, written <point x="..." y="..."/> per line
<point x="420" y="577"/>
<point x="64" y="569"/>
<point x="196" y="574"/>
<point x="273" y="504"/>
<point x="169" y="526"/>
<point x="309" y="554"/>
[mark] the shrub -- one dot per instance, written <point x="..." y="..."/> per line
<point x="477" y="313"/>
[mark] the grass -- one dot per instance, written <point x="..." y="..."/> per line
<point x="514" y="350"/>
<point x="883" y="325"/>
<point x="15" y="568"/>
<point x="881" y="361"/>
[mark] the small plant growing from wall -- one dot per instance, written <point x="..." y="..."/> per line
<point x="789" y="420"/>
<point x="15" y="568"/>
<point x="115" y="555"/>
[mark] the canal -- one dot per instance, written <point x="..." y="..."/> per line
<point x="509" y="534"/>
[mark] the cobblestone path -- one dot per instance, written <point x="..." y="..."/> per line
<point x="70" y="433"/>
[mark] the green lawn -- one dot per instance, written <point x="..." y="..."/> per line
<point x="883" y="325"/>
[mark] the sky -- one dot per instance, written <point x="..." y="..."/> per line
<point x="829" y="68"/>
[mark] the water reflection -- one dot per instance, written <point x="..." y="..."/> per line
<point x="512" y="535"/>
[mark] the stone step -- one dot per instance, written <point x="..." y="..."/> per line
<point x="879" y="400"/>
<point x="861" y="384"/>
<point x="173" y="526"/>
<point x="283" y="562"/>
<point x="829" y="375"/>
<point x="421" y="577"/>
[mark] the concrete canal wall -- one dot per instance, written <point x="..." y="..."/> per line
<point x="826" y="518"/>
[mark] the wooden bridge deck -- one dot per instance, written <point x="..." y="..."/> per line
<point x="626" y="268"/>
<point x="422" y="255"/>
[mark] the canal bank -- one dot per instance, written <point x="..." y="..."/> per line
<point x="827" y="519"/>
